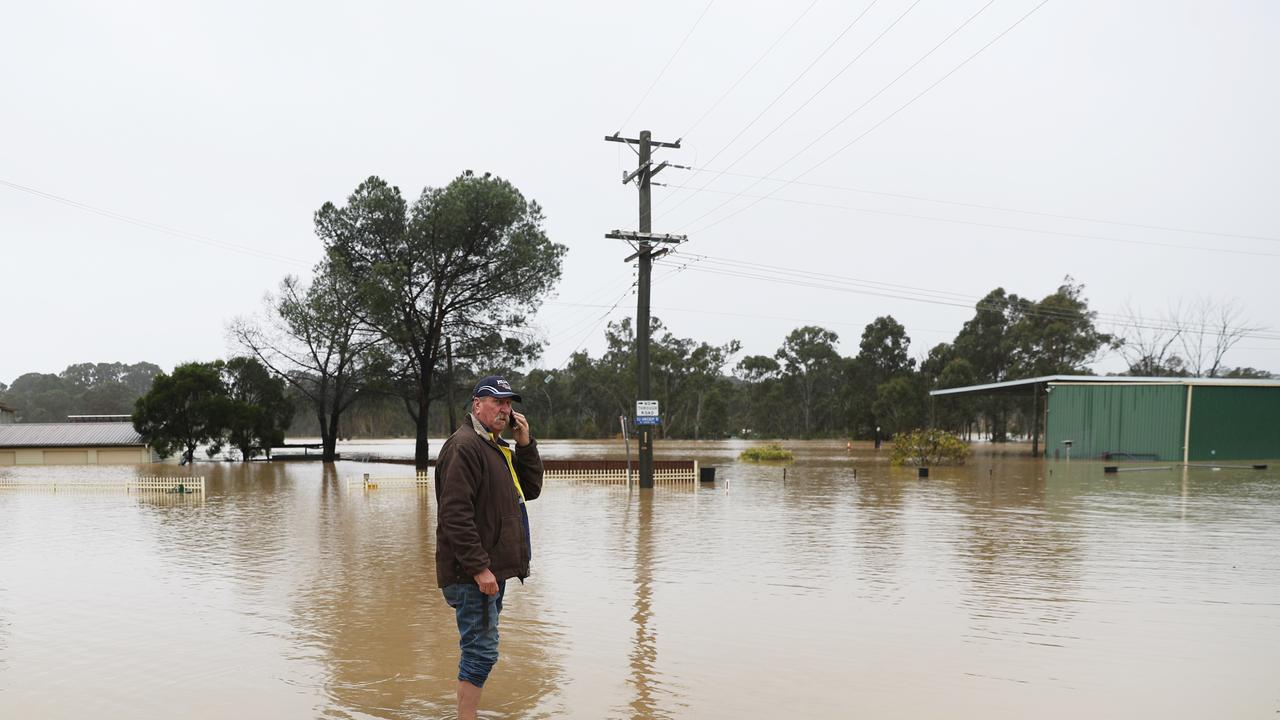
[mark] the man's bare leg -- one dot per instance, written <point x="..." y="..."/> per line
<point x="468" y="700"/>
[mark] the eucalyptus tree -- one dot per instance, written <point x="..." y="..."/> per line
<point x="310" y="338"/>
<point x="986" y="342"/>
<point x="762" y="403"/>
<point x="882" y="357"/>
<point x="260" y="410"/>
<point x="809" y="360"/>
<point x="1056" y="335"/>
<point x="469" y="262"/>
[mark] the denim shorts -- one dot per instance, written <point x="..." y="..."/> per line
<point x="477" y="616"/>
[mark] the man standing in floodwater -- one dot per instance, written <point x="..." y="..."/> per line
<point x="482" y="532"/>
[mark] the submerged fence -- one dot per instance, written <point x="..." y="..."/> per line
<point x="144" y="484"/>
<point x="572" y="472"/>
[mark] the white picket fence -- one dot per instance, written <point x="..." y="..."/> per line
<point x="571" y="477"/>
<point x="378" y="482"/>
<point x="144" y="484"/>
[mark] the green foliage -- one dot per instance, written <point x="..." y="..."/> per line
<point x="901" y="403"/>
<point x="260" y="410"/>
<point x="956" y="412"/>
<point x="81" y="389"/>
<point x="468" y="262"/>
<point x="928" y="448"/>
<point x="809" y="363"/>
<point x="1056" y="335"/>
<point x="1247" y="372"/>
<point x="184" y="410"/>
<point x="213" y="403"/>
<point x="321" y="348"/>
<point x="765" y="453"/>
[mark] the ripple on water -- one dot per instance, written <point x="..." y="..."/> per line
<point x="996" y="590"/>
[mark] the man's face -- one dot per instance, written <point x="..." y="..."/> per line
<point x="494" y="412"/>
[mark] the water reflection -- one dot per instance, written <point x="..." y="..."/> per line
<point x="1001" y="589"/>
<point x="644" y="649"/>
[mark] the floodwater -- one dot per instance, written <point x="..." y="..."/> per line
<point x="1004" y="589"/>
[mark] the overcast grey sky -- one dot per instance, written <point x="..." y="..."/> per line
<point x="230" y="123"/>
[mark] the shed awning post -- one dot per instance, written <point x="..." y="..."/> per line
<point x="1035" y="421"/>
<point x="1186" y="429"/>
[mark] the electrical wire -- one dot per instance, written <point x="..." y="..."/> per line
<point x="748" y="71"/>
<point x="820" y="90"/>
<point x="974" y="223"/>
<point x="583" y="339"/>
<point x="157" y="227"/>
<point x="790" y="85"/>
<point x="729" y="267"/>
<point x="981" y="206"/>
<point x="664" y="67"/>
<point x="873" y="128"/>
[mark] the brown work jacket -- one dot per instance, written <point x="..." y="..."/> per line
<point x="479" y="520"/>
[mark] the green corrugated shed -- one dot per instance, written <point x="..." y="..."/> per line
<point x="1140" y="421"/>
<point x="1235" y="423"/>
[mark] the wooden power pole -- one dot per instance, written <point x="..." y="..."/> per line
<point x="644" y="241"/>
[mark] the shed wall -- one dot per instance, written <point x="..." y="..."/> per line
<point x="1235" y="423"/>
<point x="1138" y="420"/>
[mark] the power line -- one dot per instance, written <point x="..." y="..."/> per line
<point x="976" y="223"/>
<point x="980" y="206"/>
<point x="864" y="104"/>
<point x="978" y="305"/>
<point x="873" y="128"/>
<point x="157" y="227"/>
<point x="825" y="281"/>
<point x="664" y="67"/>
<point x="747" y="72"/>
<point x="582" y="319"/>
<point x="791" y="84"/>
<point x="819" y="91"/>
<point x="878" y="285"/>
<point x="602" y="318"/>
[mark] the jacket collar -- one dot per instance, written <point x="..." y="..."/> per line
<point x="483" y="432"/>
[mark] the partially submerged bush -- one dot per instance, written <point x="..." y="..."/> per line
<point x="928" y="448"/>
<point x="772" y="451"/>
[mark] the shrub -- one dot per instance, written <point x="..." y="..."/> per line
<point x="927" y="448"/>
<point x="772" y="451"/>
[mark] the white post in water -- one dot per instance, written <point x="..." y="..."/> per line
<point x="622" y="420"/>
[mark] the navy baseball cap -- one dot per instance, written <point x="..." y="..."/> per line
<point x="495" y="386"/>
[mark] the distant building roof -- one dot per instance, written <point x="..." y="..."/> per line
<point x="1097" y="379"/>
<point x="6" y="408"/>
<point x="32" y="435"/>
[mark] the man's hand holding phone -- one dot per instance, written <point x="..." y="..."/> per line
<point x="519" y="425"/>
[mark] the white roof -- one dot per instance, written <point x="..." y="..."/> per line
<point x="1110" y="379"/>
<point x="30" y="435"/>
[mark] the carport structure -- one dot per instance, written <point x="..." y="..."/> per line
<point x="1151" y="418"/>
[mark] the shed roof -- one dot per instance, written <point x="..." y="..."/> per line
<point x="1010" y="386"/>
<point x="6" y="408"/>
<point x="31" y="435"/>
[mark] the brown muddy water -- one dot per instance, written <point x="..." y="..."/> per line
<point x="1004" y="589"/>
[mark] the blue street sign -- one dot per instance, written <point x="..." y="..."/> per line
<point x="648" y="420"/>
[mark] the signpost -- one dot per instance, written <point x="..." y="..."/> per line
<point x="647" y="413"/>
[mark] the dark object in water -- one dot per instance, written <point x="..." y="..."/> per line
<point x="922" y="472"/>
<point x="1110" y="469"/>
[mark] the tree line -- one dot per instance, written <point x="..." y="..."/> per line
<point x="80" y="389"/>
<point x="413" y="301"/>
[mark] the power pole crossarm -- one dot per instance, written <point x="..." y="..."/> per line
<point x="616" y="137"/>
